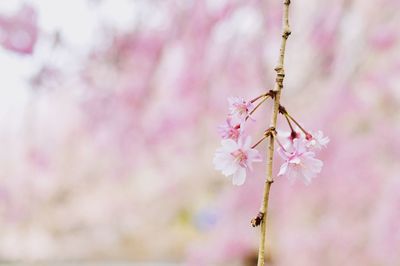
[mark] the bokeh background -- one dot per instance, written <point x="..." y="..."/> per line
<point x="108" y="118"/>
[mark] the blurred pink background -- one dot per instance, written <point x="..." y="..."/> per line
<point x="108" y="124"/>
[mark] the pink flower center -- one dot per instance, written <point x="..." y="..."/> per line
<point x="309" y="136"/>
<point x="240" y="157"/>
<point x="294" y="135"/>
<point x="234" y="133"/>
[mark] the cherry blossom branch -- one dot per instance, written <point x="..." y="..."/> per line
<point x="280" y="75"/>
<point x="235" y="156"/>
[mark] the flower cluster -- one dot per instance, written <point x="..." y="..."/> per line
<point x="298" y="153"/>
<point x="297" y="147"/>
<point x="236" y="155"/>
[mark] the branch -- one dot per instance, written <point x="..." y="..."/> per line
<point x="280" y="75"/>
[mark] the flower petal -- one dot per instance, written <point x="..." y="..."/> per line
<point x="254" y="155"/>
<point x="283" y="169"/>
<point x="247" y="143"/>
<point x="229" y="145"/>
<point x="230" y="168"/>
<point x="284" y="155"/>
<point x="239" y="177"/>
<point x="221" y="161"/>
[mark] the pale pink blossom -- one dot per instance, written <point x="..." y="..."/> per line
<point x="18" y="33"/>
<point x="317" y="140"/>
<point x="239" y="108"/>
<point x="299" y="162"/>
<point x="231" y="129"/>
<point x="234" y="158"/>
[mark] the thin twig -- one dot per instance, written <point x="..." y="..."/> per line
<point x="290" y="124"/>
<point x="258" y="105"/>
<point x="280" y="75"/>
<point x="258" y="97"/>
<point x="283" y="111"/>
<point x="258" y="142"/>
<point x="297" y="123"/>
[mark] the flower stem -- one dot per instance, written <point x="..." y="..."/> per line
<point x="287" y="115"/>
<point x="280" y="74"/>
<point x="259" y="97"/>
<point x="290" y="124"/>
<point x="258" y="105"/>
<point x="258" y="142"/>
<point x="283" y="111"/>
<point x="267" y="133"/>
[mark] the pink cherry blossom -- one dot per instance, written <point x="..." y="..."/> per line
<point x="231" y="129"/>
<point x="317" y="140"/>
<point x="18" y="33"/>
<point x="239" y="108"/>
<point x="299" y="162"/>
<point x="234" y="158"/>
